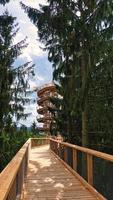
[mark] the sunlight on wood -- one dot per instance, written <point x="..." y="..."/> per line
<point x="48" y="179"/>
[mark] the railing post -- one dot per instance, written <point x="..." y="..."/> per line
<point x="59" y="150"/>
<point x="75" y="159"/>
<point x="65" y="154"/>
<point x="50" y="144"/>
<point x="56" y="148"/>
<point x="90" y="169"/>
<point x="12" y="193"/>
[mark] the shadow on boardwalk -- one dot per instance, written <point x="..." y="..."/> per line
<point x="48" y="179"/>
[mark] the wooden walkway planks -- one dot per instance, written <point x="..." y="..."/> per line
<point x="48" y="179"/>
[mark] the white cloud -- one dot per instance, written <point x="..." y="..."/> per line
<point x="26" y="56"/>
<point x="33" y="52"/>
<point x="40" y="78"/>
<point x="32" y="108"/>
<point x="32" y="84"/>
<point x="29" y="30"/>
<point x="26" y="29"/>
<point x="32" y="29"/>
<point x="19" y="36"/>
<point x="22" y="21"/>
<point x="33" y="49"/>
<point x="34" y="3"/>
<point x="36" y="81"/>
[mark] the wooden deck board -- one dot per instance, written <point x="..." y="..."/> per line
<point x="48" y="179"/>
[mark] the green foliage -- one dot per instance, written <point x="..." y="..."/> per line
<point x="79" y="38"/>
<point x="3" y="2"/>
<point x="34" y="129"/>
<point x="14" y="88"/>
<point x="10" y="143"/>
<point x="13" y="79"/>
<point x="65" y="122"/>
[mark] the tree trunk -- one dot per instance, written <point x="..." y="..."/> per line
<point x="85" y="140"/>
<point x="84" y="70"/>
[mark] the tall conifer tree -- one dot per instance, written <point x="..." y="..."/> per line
<point x="78" y="36"/>
<point x="13" y="80"/>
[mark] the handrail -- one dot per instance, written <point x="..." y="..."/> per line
<point x="9" y="174"/>
<point x="91" y="152"/>
<point x="39" y="141"/>
<point x="61" y="150"/>
<point x="12" y="177"/>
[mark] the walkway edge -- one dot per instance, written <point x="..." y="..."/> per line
<point x="85" y="183"/>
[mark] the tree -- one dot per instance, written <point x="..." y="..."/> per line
<point x="3" y="2"/>
<point x="34" y="128"/>
<point x="64" y="120"/>
<point x="13" y="80"/>
<point x="80" y="47"/>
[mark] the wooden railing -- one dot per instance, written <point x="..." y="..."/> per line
<point x="12" y="177"/>
<point x="39" y="141"/>
<point x="61" y="149"/>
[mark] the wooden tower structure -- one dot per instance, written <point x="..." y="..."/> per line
<point x="45" y="117"/>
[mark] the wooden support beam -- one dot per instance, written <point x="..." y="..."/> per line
<point x="75" y="159"/>
<point x="65" y="154"/>
<point x="90" y="169"/>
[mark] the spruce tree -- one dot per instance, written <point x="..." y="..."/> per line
<point x="13" y="79"/>
<point x="3" y="2"/>
<point x="79" y="39"/>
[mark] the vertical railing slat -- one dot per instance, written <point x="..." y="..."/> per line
<point x="12" y="193"/>
<point x="65" y="154"/>
<point x="90" y="169"/>
<point x="75" y="159"/>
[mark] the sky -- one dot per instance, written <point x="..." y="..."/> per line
<point x="43" y="68"/>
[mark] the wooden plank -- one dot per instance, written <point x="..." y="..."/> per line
<point x="83" y="182"/>
<point x="49" y="179"/>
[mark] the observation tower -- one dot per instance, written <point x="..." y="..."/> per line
<point x="45" y="117"/>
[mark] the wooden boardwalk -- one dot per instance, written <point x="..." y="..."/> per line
<point x="48" y="179"/>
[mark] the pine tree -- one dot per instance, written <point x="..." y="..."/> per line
<point x="3" y="2"/>
<point x="78" y="36"/>
<point x="64" y="120"/>
<point x="34" y="128"/>
<point x="13" y="80"/>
